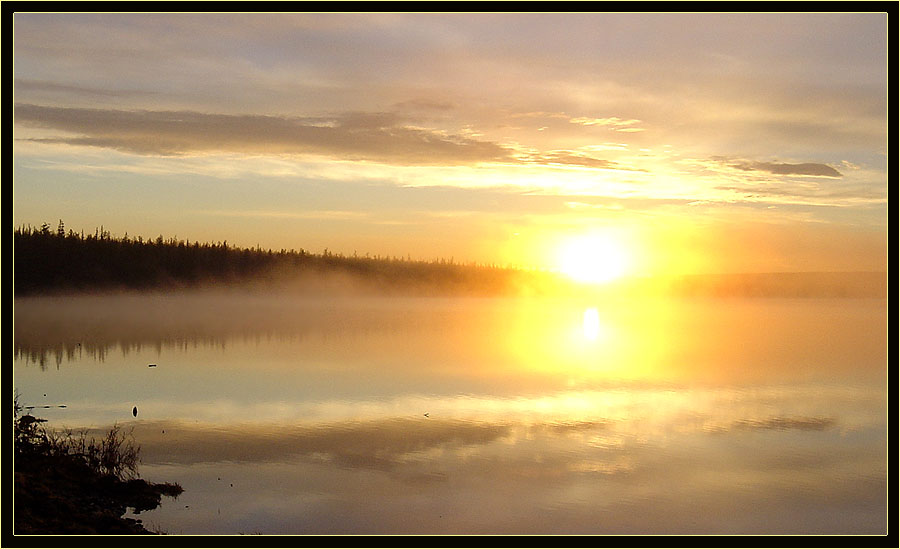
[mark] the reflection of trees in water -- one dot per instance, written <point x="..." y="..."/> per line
<point x="69" y="352"/>
<point x="52" y="331"/>
<point x="58" y="353"/>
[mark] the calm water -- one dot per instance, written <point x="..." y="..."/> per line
<point x="290" y="415"/>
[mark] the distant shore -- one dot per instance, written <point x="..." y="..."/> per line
<point x="48" y="262"/>
<point x="58" y="262"/>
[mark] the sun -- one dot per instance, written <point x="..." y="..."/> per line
<point x="594" y="258"/>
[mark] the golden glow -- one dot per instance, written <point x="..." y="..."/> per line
<point x="594" y="258"/>
<point x="591" y="323"/>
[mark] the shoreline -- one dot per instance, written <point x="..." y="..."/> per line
<point x="67" y="485"/>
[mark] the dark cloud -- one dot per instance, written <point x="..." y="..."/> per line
<point x="379" y="137"/>
<point x="809" y="168"/>
<point x="571" y="158"/>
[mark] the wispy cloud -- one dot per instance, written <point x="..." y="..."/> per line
<point x="42" y="86"/>
<point x="572" y="158"/>
<point x="613" y="123"/>
<point x="808" y="168"/>
<point x="425" y="105"/>
<point x="265" y="214"/>
<point x="379" y="137"/>
<point x="383" y="137"/>
<point x="774" y="192"/>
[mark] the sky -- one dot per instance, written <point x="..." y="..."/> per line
<point x="678" y="143"/>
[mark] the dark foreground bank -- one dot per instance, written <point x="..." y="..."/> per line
<point x="69" y="484"/>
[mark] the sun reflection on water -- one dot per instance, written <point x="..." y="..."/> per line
<point x="591" y="324"/>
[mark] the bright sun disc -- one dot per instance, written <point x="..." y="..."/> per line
<point x="594" y="259"/>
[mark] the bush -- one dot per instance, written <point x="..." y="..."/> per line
<point x="115" y="454"/>
<point x="69" y="483"/>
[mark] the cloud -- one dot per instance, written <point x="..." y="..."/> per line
<point x="266" y="214"/>
<point x="813" y="195"/>
<point x="384" y="137"/>
<point x="26" y="85"/>
<point x="425" y="104"/>
<point x="572" y="159"/>
<point x="378" y="137"/>
<point x="822" y="185"/>
<point x="613" y="123"/>
<point x="809" y="168"/>
<point x="539" y="114"/>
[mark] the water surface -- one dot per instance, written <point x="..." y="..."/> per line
<point x="292" y="415"/>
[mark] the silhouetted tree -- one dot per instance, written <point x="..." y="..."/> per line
<point x="72" y="261"/>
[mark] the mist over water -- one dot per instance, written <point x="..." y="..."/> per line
<point x="285" y="413"/>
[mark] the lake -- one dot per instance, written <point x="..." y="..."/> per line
<point x="287" y="414"/>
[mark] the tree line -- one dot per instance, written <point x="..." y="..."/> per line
<point x="58" y="260"/>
